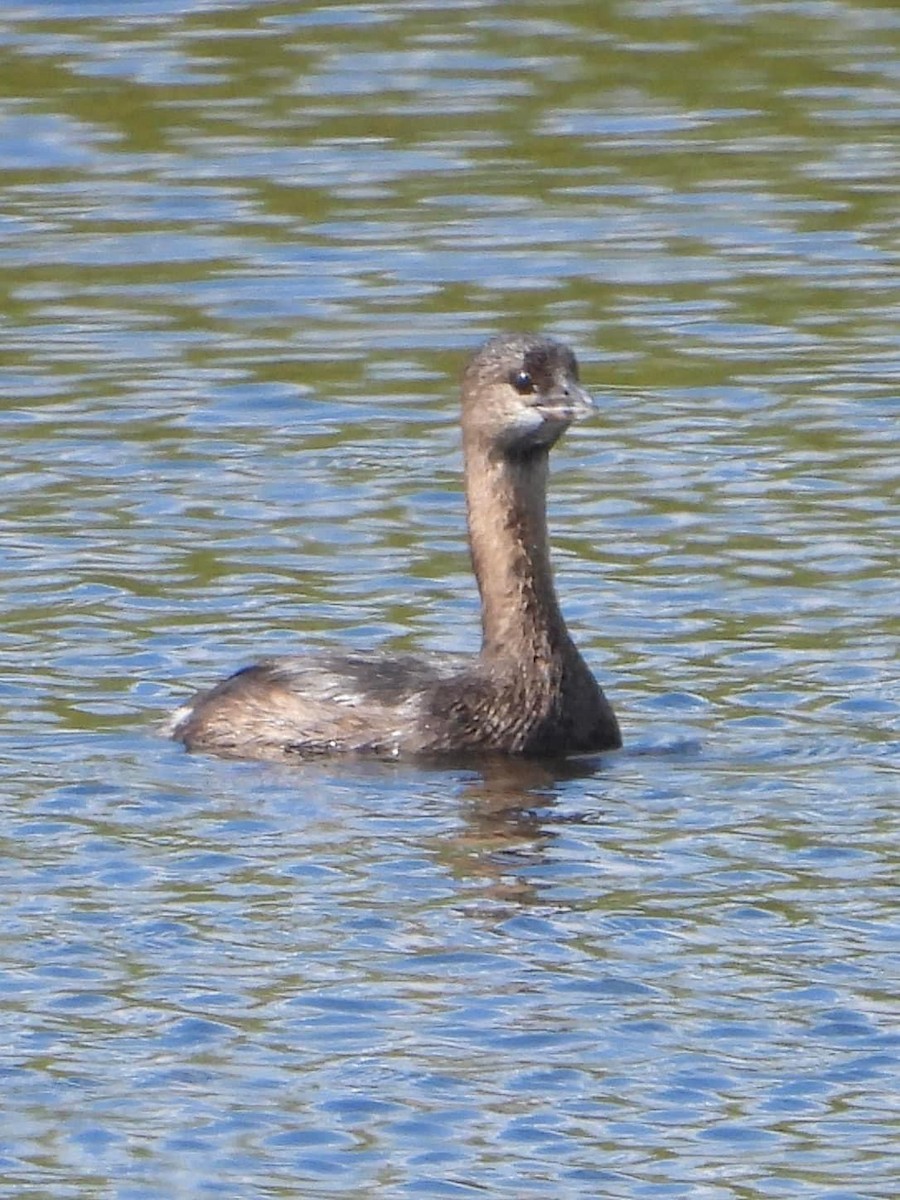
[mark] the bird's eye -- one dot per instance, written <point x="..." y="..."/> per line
<point x="523" y="383"/>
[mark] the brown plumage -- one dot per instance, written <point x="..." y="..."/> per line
<point x="528" y="691"/>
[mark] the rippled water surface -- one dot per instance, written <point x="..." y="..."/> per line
<point x="245" y="248"/>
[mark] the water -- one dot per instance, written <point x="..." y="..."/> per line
<point x="245" y="249"/>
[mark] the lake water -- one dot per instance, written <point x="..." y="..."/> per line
<point x="245" y="249"/>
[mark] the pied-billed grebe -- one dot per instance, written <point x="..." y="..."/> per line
<point x="528" y="692"/>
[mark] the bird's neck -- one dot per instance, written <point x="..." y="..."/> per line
<point x="506" y="499"/>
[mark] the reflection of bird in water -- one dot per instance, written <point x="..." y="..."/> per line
<point x="509" y="807"/>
